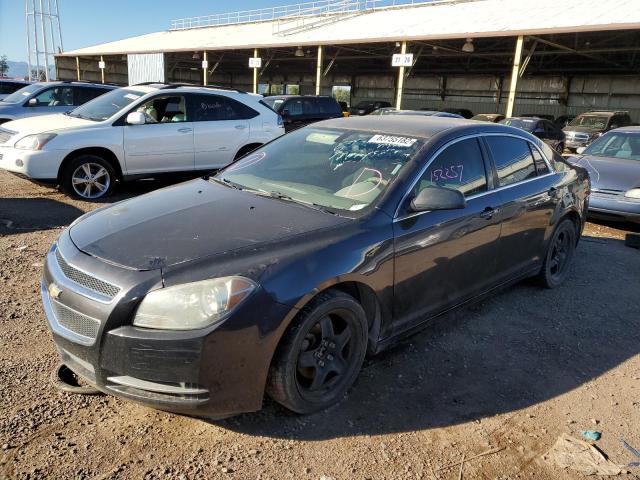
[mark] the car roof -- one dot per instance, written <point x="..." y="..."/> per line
<point x="604" y="113"/>
<point x="283" y="97"/>
<point x="423" y="126"/>
<point x="79" y="84"/>
<point x="629" y="129"/>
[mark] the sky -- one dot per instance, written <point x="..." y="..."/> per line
<point x="89" y="22"/>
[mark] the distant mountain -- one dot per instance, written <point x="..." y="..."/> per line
<point x="17" y="69"/>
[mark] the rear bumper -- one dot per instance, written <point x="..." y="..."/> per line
<point x="213" y="372"/>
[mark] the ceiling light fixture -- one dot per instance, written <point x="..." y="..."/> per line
<point x="299" y="52"/>
<point x="468" y="46"/>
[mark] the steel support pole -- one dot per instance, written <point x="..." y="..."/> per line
<point x="35" y="38"/>
<point x="319" y="70"/>
<point x="515" y="73"/>
<point x="255" y="72"/>
<point x="102" y="69"/>
<point x="403" y="50"/>
<point x="26" y="16"/>
<point x="205" y="69"/>
<point x="43" y="28"/>
<point x="78" y="68"/>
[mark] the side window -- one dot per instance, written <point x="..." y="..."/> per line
<point x="55" y="97"/>
<point x="328" y="105"/>
<point x="164" y="109"/>
<point x="294" y="107"/>
<point x="459" y="166"/>
<point x="310" y="106"/>
<point x="541" y="166"/>
<point x="513" y="159"/>
<point x="207" y="108"/>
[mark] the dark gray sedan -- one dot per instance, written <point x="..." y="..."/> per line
<point x="613" y="162"/>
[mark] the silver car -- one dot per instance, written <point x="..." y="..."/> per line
<point x="44" y="98"/>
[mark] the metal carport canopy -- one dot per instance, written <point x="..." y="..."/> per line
<point x="439" y="20"/>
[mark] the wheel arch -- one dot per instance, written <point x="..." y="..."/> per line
<point x="247" y="148"/>
<point x="102" y="152"/>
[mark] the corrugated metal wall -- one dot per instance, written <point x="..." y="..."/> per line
<point x="147" y="67"/>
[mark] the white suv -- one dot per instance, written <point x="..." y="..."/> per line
<point x="135" y="132"/>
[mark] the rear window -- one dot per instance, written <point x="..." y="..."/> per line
<point x="513" y="159"/>
<point x="213" y="107"/>
<point x="329" y="105"/>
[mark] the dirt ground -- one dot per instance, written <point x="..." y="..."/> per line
<point x="508" y="375"/>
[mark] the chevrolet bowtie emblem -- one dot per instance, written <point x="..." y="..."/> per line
<point x="54" y="290"/>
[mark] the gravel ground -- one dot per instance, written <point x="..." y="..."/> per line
<point x="507" y="375"/>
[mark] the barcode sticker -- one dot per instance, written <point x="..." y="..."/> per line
<point x="393" y="140"/>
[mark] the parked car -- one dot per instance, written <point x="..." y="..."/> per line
<point x="613" y="161"/>
<point x="424" y="113"/>
<point x="300" y="110"/>
<point x="545" y="130"/>
<point x="488" y="117"/>
<point x="586" y="127"/>
<point x="368" y="106"/>
<point x="463" y="112"/>
<point x="563" y="120"/>
<point x="279" y="273"/>
<point x="45" y="98"/>
<point x="8" y="86"/>
<point x="136" y="132"/>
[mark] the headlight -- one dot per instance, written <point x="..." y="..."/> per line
<point x="633" y="193"/>
<point x="192" y="305"/>
<point x="35" y="142"/>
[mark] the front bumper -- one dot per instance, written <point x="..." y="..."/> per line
<point x="214" y="372"/>
<point x="616" y="208"/>
<point x="41" y="165"/>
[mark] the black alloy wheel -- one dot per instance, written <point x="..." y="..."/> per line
<point x="559" y="254"/>
<point x="320" y="355"/>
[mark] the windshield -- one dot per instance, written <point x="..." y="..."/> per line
<point x="590" y="121"/>
<point x="22" y="94"/>
<point x="333" y="169"/>
<point x="616" y="145"/>
<point x="273" y="103"/>
<point x="521" y="123"/>
<point x="107" y="105"/>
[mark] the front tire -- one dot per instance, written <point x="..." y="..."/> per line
<point x="559" y="255"/>
<point x="88" y="177"/>
<point x="320" y="355"/>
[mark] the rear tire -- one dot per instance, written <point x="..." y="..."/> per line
<point x="88" y="177"/>
<point x="320" y="354"/>
<point x="559" y="255"/>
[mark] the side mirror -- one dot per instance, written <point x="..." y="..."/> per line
<point x="613" y="125"/>
<point x="32" y="102"/>
<point x="580" y="150"/>
<point x="438" y="198"/>
<point x="136" y="118"/>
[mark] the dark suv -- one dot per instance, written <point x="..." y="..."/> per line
<point x="586" y="127"/>
<point x="367" y="106"/>
<point x="300" y="110"/>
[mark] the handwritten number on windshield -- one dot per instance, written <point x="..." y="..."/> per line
<point x="451" y="172"/>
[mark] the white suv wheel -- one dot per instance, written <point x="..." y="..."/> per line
<point x="90" y="180"/>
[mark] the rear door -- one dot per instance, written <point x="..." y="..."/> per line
<point x="443" y="258"/>
<point x="527" y="201"/>
<point x="165" y="142"/>
<point x="221" y="127"/>
<point x="82" y="95"/>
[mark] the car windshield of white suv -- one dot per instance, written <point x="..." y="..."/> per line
<point x="590" y="121"/>
<point x="107" y="105"/>
<point x="616" y="145"/>
<point x="328" y="169"/>
<point x="22" y="94"/>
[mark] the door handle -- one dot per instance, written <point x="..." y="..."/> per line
<point x="488" y="213"/>
<point x="240" y="127"/>
<point x="185" y="130"/>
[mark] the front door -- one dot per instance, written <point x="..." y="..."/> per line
<point x="165" y="142"/>
<point x="52" y="100"/>
<point x="444" y="257"/>
<point x="527" y="199"/>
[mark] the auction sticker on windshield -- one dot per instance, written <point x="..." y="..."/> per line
<point x="393" y="140"/>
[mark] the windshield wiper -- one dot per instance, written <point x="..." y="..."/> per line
<point x="289" y="198"/>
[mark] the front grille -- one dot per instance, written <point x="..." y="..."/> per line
<point x="87" y="281"/>
<point x="5" y="135"/>
<point x="76" y="322"/>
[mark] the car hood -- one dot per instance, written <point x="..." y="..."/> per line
<point x="190" y="221"/>
<point x="611" y="173"/>
<point x="570" y="128"/>
<point x="45" y="123"/>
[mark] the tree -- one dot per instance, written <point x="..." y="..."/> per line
<point x="4" y="66"/>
